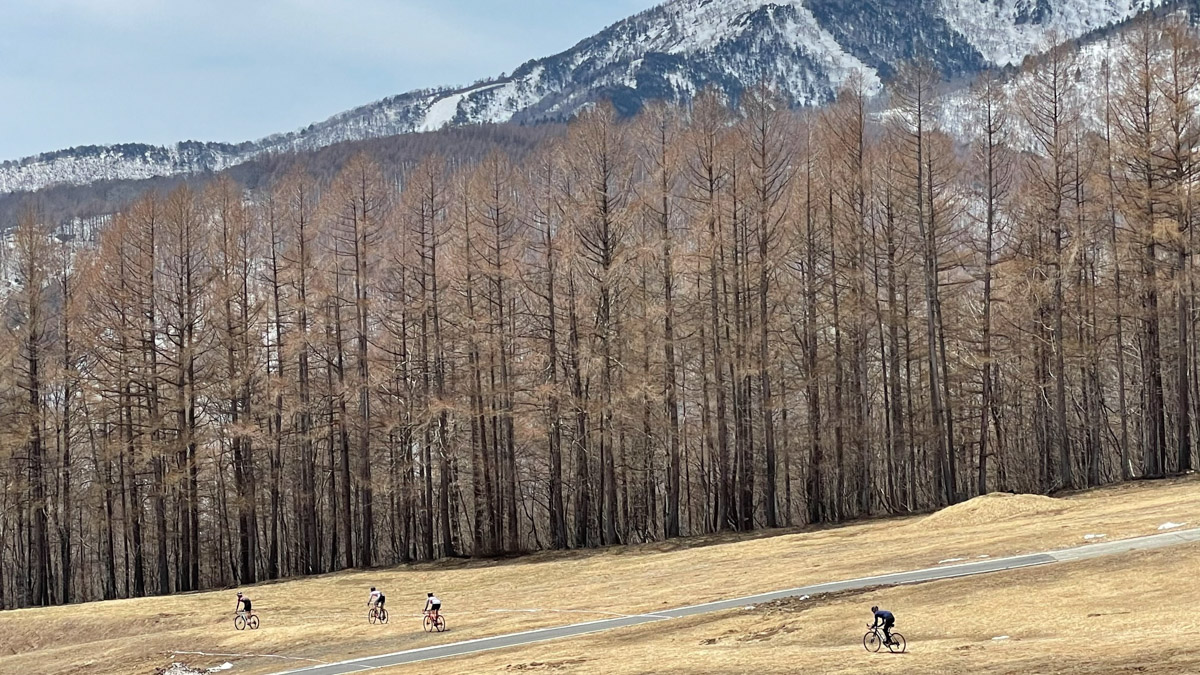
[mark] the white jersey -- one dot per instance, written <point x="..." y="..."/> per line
<point x="433" y="600"/>
<point x="374" y="597"/>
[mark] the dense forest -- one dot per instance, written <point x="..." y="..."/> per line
<point x="718" y="318"/>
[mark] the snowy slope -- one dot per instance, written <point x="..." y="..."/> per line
<point x="805" y="48"/>
<point x="1084" y="95"/>
<point x="1005" y="31"/>
<point x="129" y="161"/>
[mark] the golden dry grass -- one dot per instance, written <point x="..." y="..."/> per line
<point x="993" y="509"/>
<point x="324" y="618"/>
<point x="1129" y="613"/>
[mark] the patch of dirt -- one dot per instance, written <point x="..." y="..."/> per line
<point x="768" y="633"/>
<point x="539" y="666"/>
<point x="763" y="633"/>
<point x="723" y="637"/>
<point x="783" y="612"/>
<point x="177" y="669"/>
<point x="991" y="508"/>
<point x="807" y="602"/>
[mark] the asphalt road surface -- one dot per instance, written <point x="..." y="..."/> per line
<point x="984" y="566"/>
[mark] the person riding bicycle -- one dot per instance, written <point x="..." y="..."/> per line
<point x="432" y="604"/>
<point x="243" y="605"/>
<point x="376" y="599"/>
<point x="885" y="619"/>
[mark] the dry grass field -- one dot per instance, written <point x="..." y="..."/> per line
<point x="950" y="623"/>
<point x="1133" y="613"/>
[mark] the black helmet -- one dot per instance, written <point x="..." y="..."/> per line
<point x="372" y="588"/>
<point x="875" y="608"/>
<point x="429" y="594"/>
<point x="239" y="594"/>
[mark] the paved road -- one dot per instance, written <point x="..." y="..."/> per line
<point x="915" y="576"/>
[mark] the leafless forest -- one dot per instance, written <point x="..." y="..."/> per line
<point x="698" y="320"/>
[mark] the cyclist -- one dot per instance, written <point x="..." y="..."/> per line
<point x="376" y="598"/>
<point x="887" y="620"/>
<point x="243" y="605"/>
<point x="432" y="605"/>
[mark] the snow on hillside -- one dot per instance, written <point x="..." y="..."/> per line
<point x="957" y="111"/>
<point x="805" y="48"/>
<point x="443" y="111"/>
<point x="90" y="164"/>
<point x="1005" y="31"/>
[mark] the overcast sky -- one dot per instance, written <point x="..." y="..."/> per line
<point x="81" y="72"/>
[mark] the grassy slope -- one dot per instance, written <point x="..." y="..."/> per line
<point x="323" y="618"/>
<point x="1129" y="613"/>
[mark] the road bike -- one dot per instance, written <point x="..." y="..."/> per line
<point x="873" y="640"/>
<point x="432" y="623"/>
<point x="377" y="615"/>
<point x="240" y="621"/>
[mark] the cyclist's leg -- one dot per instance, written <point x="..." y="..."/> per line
<point x="887" y="629"/>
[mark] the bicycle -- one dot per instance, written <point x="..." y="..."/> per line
<point x="377" y="615"/>
<point x="873" y="640"/>
<point x="240" y="621"/>
<point x="432" y="623"/>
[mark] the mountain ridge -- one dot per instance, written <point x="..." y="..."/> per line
<point x="805" y="48"/>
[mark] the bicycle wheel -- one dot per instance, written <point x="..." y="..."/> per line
<point x="382" y="615"/>
<point x="897" y="644"/>
<point x="239" y="623"/>
<point x="372" y="615"/>
<point x="871" y="641"/>
<point x="253" y="622"/>
<point x="441" y="623"/>
<point x="428" y="624"/>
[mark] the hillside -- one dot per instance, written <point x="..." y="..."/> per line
<point x="805" y="48"/>
<point x="66" y="203"/>
<point x="322" y="618"/>
<point x="1096" y="617"/>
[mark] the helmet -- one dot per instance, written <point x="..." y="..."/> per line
<point x="239" y="594"/>
<point x="372" y="588"/>
<point x="875" y="608"/>
<point x="429" y="594"/>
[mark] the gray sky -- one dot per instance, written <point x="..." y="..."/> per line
<point x="82" y="72"/>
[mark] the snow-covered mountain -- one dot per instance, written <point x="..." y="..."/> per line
<point x="805" y="48"/>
